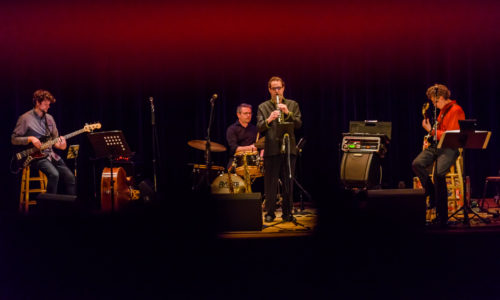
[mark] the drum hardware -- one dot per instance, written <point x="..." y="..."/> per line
<point x="154" y="146"/>
<point x="260" y="143"/>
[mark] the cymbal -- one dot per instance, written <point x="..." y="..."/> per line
<point x="201" y="145"/>
<point x="261" y="142"/>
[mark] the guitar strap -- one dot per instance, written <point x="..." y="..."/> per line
<point x="47" y="130"/>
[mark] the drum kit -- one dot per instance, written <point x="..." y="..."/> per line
<point x="247" y="165"/>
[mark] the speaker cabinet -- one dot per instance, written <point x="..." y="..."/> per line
<point x="47" y="203"/>
<point x="238" y="212"/>
<point x="400" y="208"/>
<point x="360" y="170"/>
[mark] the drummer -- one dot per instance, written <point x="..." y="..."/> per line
<point x="241" y="135"/>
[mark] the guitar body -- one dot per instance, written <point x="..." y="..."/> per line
<point x="26" y="155"/>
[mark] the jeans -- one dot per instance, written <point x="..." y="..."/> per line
<point x="55" y="170"/>
<point x="444" y="159"/>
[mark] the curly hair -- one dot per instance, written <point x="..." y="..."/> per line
<point x="439" y="90"/>
<point x="40" y="95"/>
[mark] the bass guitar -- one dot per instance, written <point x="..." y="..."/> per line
<point x="23" y="158"/>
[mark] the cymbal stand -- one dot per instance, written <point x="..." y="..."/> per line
<point x="154" y="138"/>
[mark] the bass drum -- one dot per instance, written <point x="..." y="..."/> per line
<point x="221" y="184"/>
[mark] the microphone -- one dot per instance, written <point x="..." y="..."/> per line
<point x="277" y="103"/>
<point x="152" y="105"/>
<point x="153" y="122"/>
<point x="214" y="96"/>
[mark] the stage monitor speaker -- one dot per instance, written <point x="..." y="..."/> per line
<point x="47" y="203"/>
<point x="402" y="208"/>
<point x="146" y="188"/>
<point x="238" y="212"/>
<point x="360" y="170"/>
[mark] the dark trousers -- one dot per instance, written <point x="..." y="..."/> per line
<point x="437" y="192"/>
<point x="55" y="170"/>
<point x="276" y="167"/>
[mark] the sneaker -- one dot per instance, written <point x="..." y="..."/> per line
<point x="288" y="218"/>
<point x="269" y="218"/>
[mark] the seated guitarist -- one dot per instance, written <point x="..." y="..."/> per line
<point x="36" y="124"/>
<point x="449" y="114"/>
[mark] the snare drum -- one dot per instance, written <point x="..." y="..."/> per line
<point x="221" y="184"/>
<point x="253" y="162"/>
<point x="201" y="172"/>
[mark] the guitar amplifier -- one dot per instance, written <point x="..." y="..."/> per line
<point x="360" y="169"/>
<point x="360" y="166"/>
<point x="363" y="143"/>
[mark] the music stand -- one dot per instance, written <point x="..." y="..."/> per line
<point x="466" y="138"/>
<point x="73" y="154"/>
<point x="110" y="145"/>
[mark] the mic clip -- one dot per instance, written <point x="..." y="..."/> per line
<point x="286" y="138"/>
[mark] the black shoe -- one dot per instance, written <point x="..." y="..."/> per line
<point x="288" y="218"/>
<point x="269" y="218"/>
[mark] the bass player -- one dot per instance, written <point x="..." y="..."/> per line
<point x="31" y="129"/>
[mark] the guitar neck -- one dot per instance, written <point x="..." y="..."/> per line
<point x="67" y="136"/>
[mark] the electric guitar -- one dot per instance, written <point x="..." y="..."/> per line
<point x="22" y="159"/>
<point x="428" y="141"/>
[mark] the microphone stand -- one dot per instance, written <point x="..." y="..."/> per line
<point x="208" y="153"/>
<point x="154" y="138"/>
<point x="303" y="191"/>
<point x="285" y="150"/>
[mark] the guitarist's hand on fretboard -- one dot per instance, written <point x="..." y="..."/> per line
<point x="61" y="143"/>
<point x="35" y="141"/>
<point x="426" y="125"/>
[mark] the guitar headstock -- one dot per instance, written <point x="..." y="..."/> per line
<point x="425" y="107"/>
<point x="92" y="127"/>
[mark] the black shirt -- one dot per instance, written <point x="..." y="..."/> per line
<point x="237" y="135"/>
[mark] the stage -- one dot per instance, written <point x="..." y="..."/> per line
<point x="159" y="251"/>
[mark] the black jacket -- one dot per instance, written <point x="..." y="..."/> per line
<point x="271" y="131"/>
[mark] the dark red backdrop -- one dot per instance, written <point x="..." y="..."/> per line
<point x="348" y="60"/>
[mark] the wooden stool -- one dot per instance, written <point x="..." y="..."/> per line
<point x="454" y="182"/>
<point x="495" y="179"/>
<point x="26" y="179"/>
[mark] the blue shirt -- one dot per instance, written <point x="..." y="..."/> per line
<point x="31" y="124"/>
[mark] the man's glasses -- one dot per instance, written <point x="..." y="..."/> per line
<point x="246" y="113"/>
<point x="276" y="88"/>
